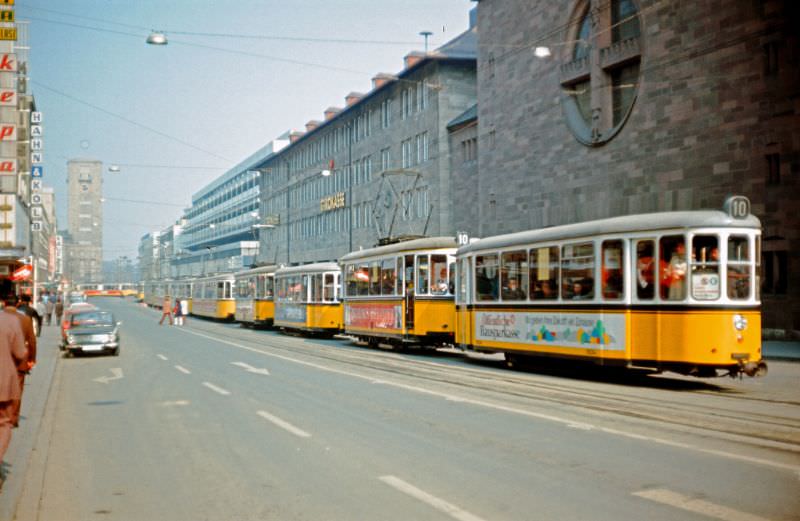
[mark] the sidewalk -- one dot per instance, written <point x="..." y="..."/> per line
<point x="23" y="439"/>
<point x="781" y="350"/>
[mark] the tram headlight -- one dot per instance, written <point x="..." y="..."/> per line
<point x="739" y="322"/>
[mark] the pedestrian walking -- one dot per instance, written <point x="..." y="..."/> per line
<point x="166" y="310"/>
<point x="59" y="310"/>
<point x="24" y="305"/>
<point x="29" y="337"/>
<point x="49" y="307"/>
<point x="178" y="311"/>
<point x="13" y="355"/>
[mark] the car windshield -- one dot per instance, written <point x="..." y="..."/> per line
<point x="93" y="318"/>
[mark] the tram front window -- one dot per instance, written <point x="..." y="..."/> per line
<point x="388" y="276"/>
<point x="705" y="267"/>
<point x="738" y="267"/>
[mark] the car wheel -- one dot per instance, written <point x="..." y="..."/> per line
<point x="115" y="352"/>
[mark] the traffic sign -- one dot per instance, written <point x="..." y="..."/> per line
<point x="37" y="171"/>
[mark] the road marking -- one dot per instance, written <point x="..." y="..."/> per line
<point x="183" y="369"/>
<point x="174" y="403"/>
<point x="116" y="372"/>
<point x="162" y="357"/>
<point x="437" y="503"/>
<point x="216" y="389"/>
<point x="284" y="424"/>
<point x="699" y="506"/>
<point x="250" y="369"/>
<point x="508" y="409"/>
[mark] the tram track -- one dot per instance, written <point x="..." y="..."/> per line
<point x="718" y="414"/>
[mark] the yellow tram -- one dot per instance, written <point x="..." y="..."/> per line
<point x="672" y="291"/>
<point x="253" y="292"/>
<point x="401" y="293"/>
<point x="307" y="298"/>
<point x="212" y="297"/>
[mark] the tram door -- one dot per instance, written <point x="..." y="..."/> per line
<point x="409" y="281"/>
<point x="463" y="318"/>
<point x="644" y="322"/>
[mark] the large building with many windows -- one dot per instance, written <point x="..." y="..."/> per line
<point x="374" y="170"/>
<point x="597" y="108"/>
<point x="84" y="263"/>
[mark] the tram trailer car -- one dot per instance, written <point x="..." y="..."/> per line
<point x="673" y="291"/>
<point x="254" y="291"/>
<point x="212" y="297"/>
<point x="401" y="294"/>
<point x="307" y="299"/>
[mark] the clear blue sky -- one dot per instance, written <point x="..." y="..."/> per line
<point x="176" y="117"/>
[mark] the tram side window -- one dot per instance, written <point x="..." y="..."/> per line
<point x="544" y="267"/>
<point x="399" y="278"/>
<point x="705" y="267"/>
<point x="462" y="280"/>
<point x="220" y="290"/>
<point x="362" y="279"/>
<point x="672" y="267"/>
<point x="423" y="275"/>
<point x="486" y="273"/>
<point x="388" y="276"/>
<point x="316" y="287"/>
<point x="645" y="270"/>
<point x="577" y="271"/>
<point x="439" y="270"/>
<point x="451" y="276"/>
<point x="352" y="280"/>
<point x="514" y="275"/>
<point x="329" y="289"/>
<point x="375" y="278"/>
<point x="611" y="270"/>
<point x="739" y="264"/>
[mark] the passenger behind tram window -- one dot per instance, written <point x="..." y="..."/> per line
<point x="645" y="270"/>
<point x="583" y="289"/>
<point x="440" y="287"/>
<point x="512" y="291"/>
<point x="546" y="290"/>
<point x="673" y="272"/>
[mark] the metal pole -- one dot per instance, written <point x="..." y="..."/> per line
<point x="288" y="228"/>
<point x="350" y="182"/>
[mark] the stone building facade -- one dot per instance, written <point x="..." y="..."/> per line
<point x="377" y="168"/>
<point x="596" y="108"/>
<point x="85" y="220"/>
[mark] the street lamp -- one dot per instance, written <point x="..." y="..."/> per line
<point x="157" y="38"/>
<point x="114" y="169"/>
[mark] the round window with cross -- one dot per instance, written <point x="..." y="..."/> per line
<point x="601" y="67"/>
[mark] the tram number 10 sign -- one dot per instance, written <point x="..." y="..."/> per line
<point x="738" y="206"/>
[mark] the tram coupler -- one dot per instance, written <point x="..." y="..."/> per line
<point x="757" y="369"/>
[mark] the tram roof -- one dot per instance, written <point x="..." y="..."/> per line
<point x="317" y="267"/>
<point x="616" y="225"/>
<point x="219" y="276"/>
<point x="255" y="271"/>
<point x="426" y="243"/>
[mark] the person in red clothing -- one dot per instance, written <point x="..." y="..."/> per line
<point x="13" y="355"/>
<point x="29" y="337"/>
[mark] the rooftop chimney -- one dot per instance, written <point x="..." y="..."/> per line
<point x="353" y="98"/>
<point x="413" y="58"/>
<point x="381" y="79"/>
<point x="331" y="112"/>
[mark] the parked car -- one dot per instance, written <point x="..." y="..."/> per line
<point x="92" y="331"/>
<point x="65" y="318"/>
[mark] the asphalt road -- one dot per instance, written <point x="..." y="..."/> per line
<point x="212" y="421"/>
